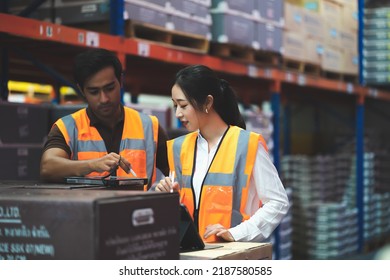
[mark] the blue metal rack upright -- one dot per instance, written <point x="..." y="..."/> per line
<point x="360" y="135"/>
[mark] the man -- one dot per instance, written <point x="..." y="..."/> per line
<point x="106" y="137"/>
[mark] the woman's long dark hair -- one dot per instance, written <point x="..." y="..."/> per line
<point x="199" y="81"/>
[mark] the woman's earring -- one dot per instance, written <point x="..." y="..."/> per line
<point x="207" y="111"/>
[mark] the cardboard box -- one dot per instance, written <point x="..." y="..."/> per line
<point x="331" y="12"/>
<point x="232" y="251"/>
<point x="293" y="44"/>
<point x="146" y="14"/>
<point x="72" y="13"/>
<point x="231" y="28"/>
<point x="88" y="224"/>
<point x="350" y="17"/>
<point x="190" y="26"/>
<point x="332" y="60"/>
<point x="206" y="3"/>
<point x="313" y="51"/>
<point x="348" y="39"/>
<point x="332" y="35"/>
<point x="311" y="5"/>
<point x="244" y="6"/>
<point x="295" y="2"/>
<point x="269" y="37"/>
<point x="271" y="10"/>
<point x="293" y="18"/>
<point x="191" y="9"/>
<point x="313" y="25"/>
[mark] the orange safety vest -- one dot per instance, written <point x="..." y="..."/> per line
<point x="225" y="188"/>
<point x="138" y="144"/>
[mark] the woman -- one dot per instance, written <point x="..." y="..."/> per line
<point x="224" y="173"/>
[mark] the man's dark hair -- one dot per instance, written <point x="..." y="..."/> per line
<point x="92" y="61"/>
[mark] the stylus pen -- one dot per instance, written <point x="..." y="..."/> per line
<point x="172" y="177"/>
<point x="132" y="172"/>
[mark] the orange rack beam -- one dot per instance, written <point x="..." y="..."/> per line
<point x="40" y="30"/>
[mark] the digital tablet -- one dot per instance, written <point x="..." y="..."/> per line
<point x="111" y="181"/>
<point x="190" y="239"/>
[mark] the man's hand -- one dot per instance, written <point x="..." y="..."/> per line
<point x="110" y="162"/>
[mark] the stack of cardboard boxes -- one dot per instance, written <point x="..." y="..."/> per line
<point x="322" y="33"/>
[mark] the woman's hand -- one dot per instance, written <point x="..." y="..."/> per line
<point x="165" y="185"/>
<point x="219" y="231"/>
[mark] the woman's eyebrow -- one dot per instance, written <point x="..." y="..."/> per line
<point x="180" y="100"/>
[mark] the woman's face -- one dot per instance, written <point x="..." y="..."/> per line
<point x="184" y="111"/>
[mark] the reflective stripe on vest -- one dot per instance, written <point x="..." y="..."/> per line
<point x="138" y="144"/>
<point x="225" y="188"/>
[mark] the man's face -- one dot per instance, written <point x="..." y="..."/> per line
<point x="102" y="92"/>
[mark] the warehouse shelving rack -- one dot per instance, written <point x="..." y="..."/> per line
<point x="27" y="44"/>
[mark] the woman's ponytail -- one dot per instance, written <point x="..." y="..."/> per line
<point x="227" y="106"/>
<point x="199" y="81"/>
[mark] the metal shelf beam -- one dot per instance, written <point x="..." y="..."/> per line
<point x="44" y="31"/>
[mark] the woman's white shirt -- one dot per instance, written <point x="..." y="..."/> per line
<point x="265" y="186"/>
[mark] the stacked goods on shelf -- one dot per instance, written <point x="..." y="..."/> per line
<point x="349" y="37"/>
<point x="177" y="23"/>
<point x="23" y="130"/>
<point x="268" y="25"/>
<point x="285" y="231"/>
<point x="324" y="227"/>
<point x="233" y="22"/>
<point x="321" y="33"/>
<point x="66" y="11"/>
<point x="330" y="231"/>
<point x="302" y="39"/>
<point x="260" y="121"/>
<point x="191" y="16"/>
<point x="285" y="234"/>
<point x="376" y="197"/>
<point x="239" y="28"/>
<point x="376" y="46"/>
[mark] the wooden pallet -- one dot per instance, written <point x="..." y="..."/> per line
<point x="301" y="67"/>
<point x="233" y="51"/>
<point x="175" y="39"/>
<point x="267" y="58"/>
<point x="244" y="54"/>
<point x="348" y="78"/>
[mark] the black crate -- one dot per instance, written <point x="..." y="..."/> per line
<point x="20" y="162"/>
<point x="88" y="224"/>
<point x="23" y="123"/>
